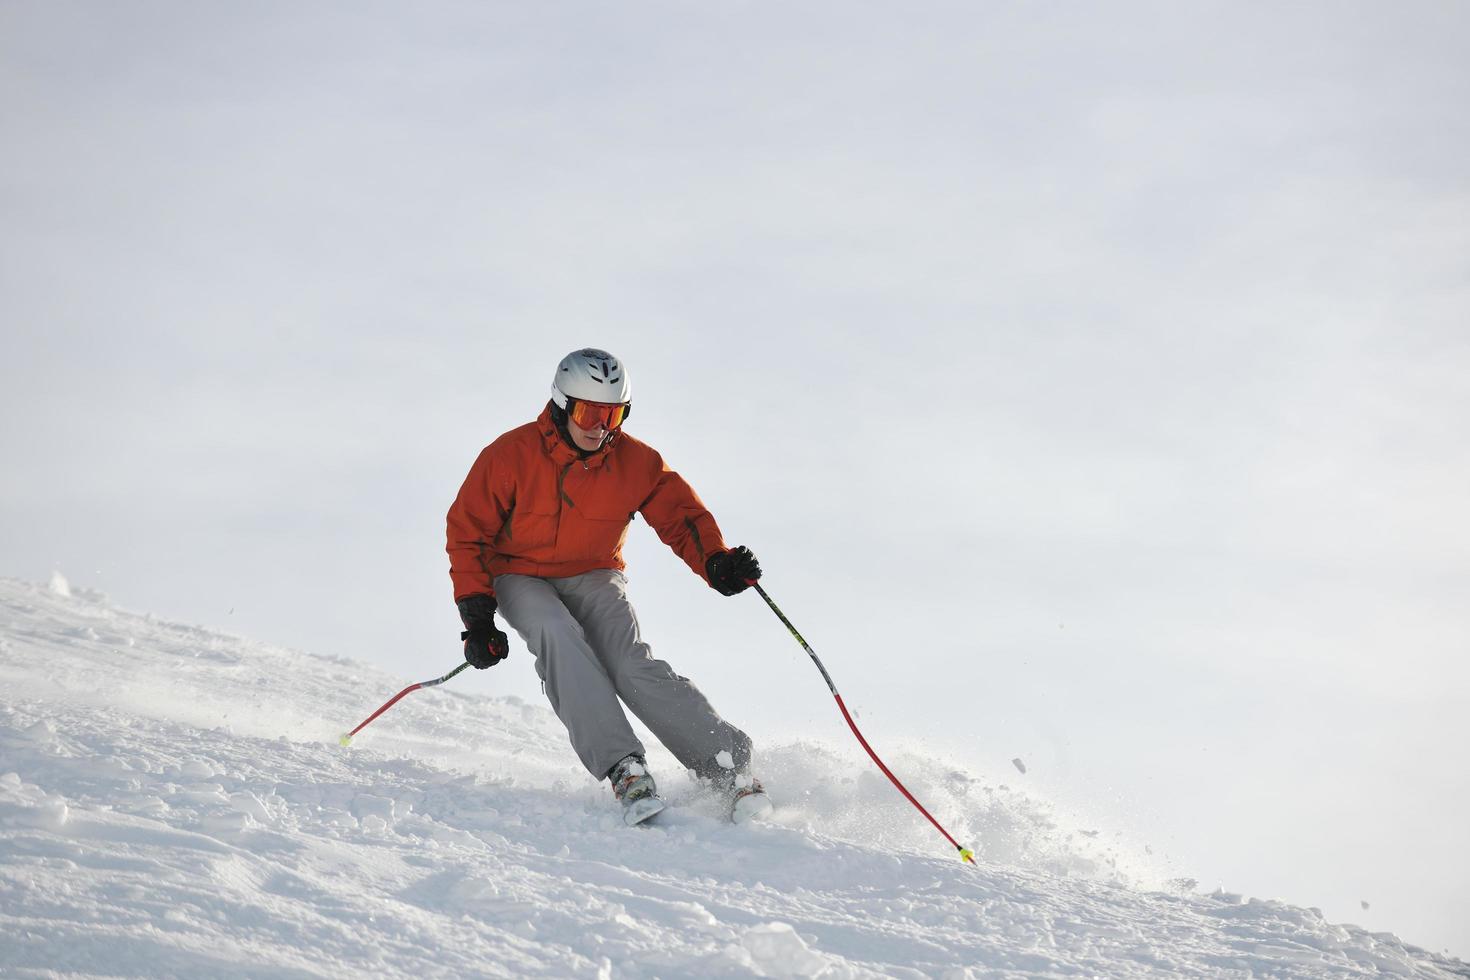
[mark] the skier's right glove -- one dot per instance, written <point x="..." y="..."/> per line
<point x="731" y="572"/>
<point x="485" y="644"/>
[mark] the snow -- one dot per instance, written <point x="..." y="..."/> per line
<point x="173" y="801"/>
<point x="60" y="585"/>
<point x="777" y="951"/>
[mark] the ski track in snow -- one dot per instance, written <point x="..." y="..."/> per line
<point x="173" y="802"/>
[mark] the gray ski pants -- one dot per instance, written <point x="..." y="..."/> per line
<point x="584" y="635"/>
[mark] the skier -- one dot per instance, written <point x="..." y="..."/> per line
<point x="537" y="533"/>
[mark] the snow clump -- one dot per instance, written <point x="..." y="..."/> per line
<point x="778" y="951"/>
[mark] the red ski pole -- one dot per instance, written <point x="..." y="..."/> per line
<point x="965" y="853"/>
<point x="347" y="736"/>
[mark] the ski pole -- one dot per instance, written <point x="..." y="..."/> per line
<point x="347" y="736"/>
<point x="965" y="853"/>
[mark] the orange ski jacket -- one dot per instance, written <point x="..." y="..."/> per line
<point x="532" y="506"/>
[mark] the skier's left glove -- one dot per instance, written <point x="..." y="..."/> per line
<point x="485" y="644"/>
<point x="731" y="572"/>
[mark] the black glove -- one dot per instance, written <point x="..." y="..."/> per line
<point x="485" y="644"/>
<point x="731" y="572"/>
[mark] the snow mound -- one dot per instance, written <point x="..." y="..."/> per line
<point x="173" y="801"/>
<point x="777" y="951"/>
<point x="59" y="585"/>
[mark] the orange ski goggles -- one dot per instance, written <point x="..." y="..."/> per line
<point x="589" y="415"/>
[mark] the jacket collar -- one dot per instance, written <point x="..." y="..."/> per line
<point x="560" y="452"/>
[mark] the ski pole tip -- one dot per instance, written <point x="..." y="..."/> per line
<point x="344" y="740"/>
<point x="967" y="855"/>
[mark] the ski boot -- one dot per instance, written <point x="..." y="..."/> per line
<point x="745" y="796"/>
<point x="749" y="801"/>
<point x="635" y="790"/>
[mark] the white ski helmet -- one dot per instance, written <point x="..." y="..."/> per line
<point x="590" y="375"/>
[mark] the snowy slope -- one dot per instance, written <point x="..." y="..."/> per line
<point x="173" y="802"/>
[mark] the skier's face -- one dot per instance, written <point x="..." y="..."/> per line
<point x="587" y="439"/>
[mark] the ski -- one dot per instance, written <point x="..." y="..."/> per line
<point x="644" y="808"/>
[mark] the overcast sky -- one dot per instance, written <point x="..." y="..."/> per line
<point x="1091" y="384"/>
